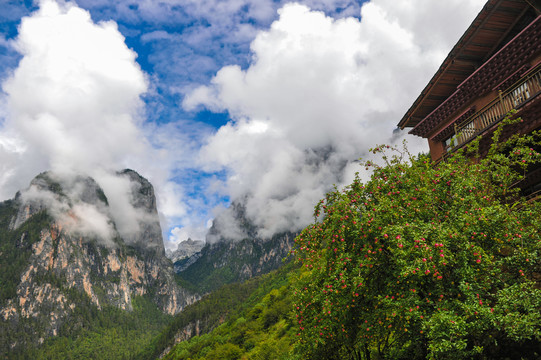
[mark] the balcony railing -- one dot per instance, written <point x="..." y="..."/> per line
<point x="525" y="89"/>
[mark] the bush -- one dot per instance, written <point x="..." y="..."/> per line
<point x="424" y="261"/>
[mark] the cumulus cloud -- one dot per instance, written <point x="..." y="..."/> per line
<point x="178" y="181"/>
<point x="75" y="93"/>
<point x="319" y="92"/>
<point x="73" y="99"/>
<point x="73" y="106"/>
<point x="192" y="39"/>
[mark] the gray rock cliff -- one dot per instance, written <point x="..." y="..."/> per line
<point x="75" y="251"/>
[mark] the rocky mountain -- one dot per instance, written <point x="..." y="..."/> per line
<point x="63" y="249"/>
<point x="233" y="252"/>
<point x="187" y="253"/>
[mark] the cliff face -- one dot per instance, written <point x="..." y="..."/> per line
<point x="61" y="244"/>
<point x="148" y="238"/>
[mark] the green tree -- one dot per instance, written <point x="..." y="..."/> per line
<point x="425" y="261"/>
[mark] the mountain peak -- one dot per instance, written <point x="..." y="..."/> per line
<point x="80" y="249"/>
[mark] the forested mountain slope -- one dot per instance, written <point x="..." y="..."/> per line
<point x="253" y="319"/>
<point x="64" y="260"/>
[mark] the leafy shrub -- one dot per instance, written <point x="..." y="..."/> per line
<point x="425" y="261"/>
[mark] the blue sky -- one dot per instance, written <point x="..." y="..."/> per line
<point x="263" y="102"/>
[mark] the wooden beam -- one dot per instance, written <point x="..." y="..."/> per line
<point x="505" y="34"/>
<point x="536" y="4"/>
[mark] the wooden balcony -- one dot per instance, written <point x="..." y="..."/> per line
<point x="526" y="89"/>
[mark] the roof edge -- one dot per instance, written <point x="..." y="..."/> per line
<point x="491" y="4"/>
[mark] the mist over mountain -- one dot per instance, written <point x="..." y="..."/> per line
<point x="62" y="248"/>
<point x="235" y="251"/>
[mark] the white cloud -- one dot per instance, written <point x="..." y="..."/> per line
<point x="172" y="170"/>
<point x="318" y="91"/>
<point x="74" y="99"/>
<point x="88" y="219"/>
<point x="179" y="234"/>
<point x="317" y="95"/>
<point x="81" y="215"/>
<point x="118" y="190"/>
<point x="202" y="35"/>
<point x="73" y="106"/>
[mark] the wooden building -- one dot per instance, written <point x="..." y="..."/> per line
<point x="494" y="67"/>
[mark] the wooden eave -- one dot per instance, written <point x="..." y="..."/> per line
<point x="482" y="38"/>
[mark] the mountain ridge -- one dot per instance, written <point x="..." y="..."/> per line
<point x="233" y="252"/>
<point x="56" y="260"/>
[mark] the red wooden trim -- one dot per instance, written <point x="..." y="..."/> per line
<point x="511" y="79"/>
<point x="523" y="45"/>
<point x="445" y="132"/>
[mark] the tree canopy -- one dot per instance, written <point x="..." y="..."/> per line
<point x="425" y="261"/>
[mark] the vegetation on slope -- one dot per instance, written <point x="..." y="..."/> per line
<point x="16" y="246"/>
<point x="238" y="319"/>
<point x="230" y="261"/>
<point x="107" y="333"/>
